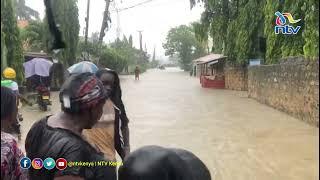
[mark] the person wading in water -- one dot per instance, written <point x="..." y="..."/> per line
<point x="137" y="73"/>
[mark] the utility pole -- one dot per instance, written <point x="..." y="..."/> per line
<point x="154" y="54"/>
<point x="141" y="49"/>
<point x="118" y="30"/>
<point x="87" y="24"/>
<point x="145" y="47"/>
<point x="104" y="25"/>
<point x="118" y="24"/>
<point x="140" y="39"/>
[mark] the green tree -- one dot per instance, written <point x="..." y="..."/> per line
<point x="12" y="41"/>
<point x="131" y="55"/>
<point x="238" y="26"/>
<point x="118" y="55"/>
<point x="311" y="29"/>
<point x="33" y="36"/>
<point x="248" y="30"/>
<point x="181" y="41"/>
<point x="235" y="29"/>
<point x="214" y="21"/>
<point x="293" y="45"/>
<point x="93" y="48"/>
<point x="273" y="52"/>
<point x="278" y="45"/>
<point x="3" y="51"/>
<point x="110" y="58"/>
<point x="66" y="17"/>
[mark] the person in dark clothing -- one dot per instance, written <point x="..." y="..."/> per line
<point x="158" y="163"/>
<point x="82" y="98"/>
<point x="137" y="73"/>
<point x="111" y="133"/>
<point x="10" y="151"/>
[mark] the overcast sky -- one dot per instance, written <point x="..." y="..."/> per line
<point x="154" y="18"/>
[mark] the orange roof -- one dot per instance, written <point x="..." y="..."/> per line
<point x="23" y="23"/>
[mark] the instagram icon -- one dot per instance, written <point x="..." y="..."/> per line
<point x="37" y="163"/>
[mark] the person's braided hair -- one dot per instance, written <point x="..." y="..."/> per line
<point x="8" y="102"/>
<point x="116" y="93"/>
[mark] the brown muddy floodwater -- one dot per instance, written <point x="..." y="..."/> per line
<point x="236" y="137"/>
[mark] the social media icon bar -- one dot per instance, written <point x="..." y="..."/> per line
<point x="49" y="163"/>
<point x="37" y="163"/>
<point x="25" y="163"/>
<point x="61" y="163"/>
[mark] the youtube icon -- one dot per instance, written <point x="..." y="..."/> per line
<point x="61" y="163"/>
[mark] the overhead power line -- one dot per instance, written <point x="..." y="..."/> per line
<point x="133" y="6"/>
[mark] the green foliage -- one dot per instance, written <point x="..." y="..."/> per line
<point x="232" y="34"/>
<point x="66" y="16"/>
<point x="93" y="48"/>
<point x="311" y="29"/>
<point x="118" y="55"/>
<point x="132" y="55"/>
<point x="273" y="52"/>
<point x="33" y="35"/>
<point x="12" y="41"/>
<point x="110" y="58"/>
<point x="248" y="24"/>
<point x="237" y="26"/>
<point x="3" y="51"/>
<point x="293" y="45"/>
<point x="182" y="41"/>
<point x="279" y="46"/>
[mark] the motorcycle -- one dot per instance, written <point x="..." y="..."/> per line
<point x="37" y="72"/>
<point x="43" y="99"/>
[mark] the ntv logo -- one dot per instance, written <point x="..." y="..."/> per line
<point x="282" y="28"/>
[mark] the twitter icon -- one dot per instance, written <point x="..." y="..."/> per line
<point x="49" y="163"/>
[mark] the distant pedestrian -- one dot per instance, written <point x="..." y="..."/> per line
<point x="137" y="73"/>
<point x="158" y="163"/>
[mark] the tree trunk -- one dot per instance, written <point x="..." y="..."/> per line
<point x="104" y="21"/>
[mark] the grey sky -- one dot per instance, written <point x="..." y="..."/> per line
<point x="154" y="18"/>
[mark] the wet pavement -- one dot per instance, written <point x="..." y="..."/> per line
<point x="236" y="137"/>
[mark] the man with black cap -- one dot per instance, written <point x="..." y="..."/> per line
<point x="82" y="98"/>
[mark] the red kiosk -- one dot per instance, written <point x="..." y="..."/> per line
<point x="211" y="69"/>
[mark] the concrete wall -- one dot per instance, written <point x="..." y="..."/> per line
<point x="236" y="77"/>
<point x="292" y="87"/>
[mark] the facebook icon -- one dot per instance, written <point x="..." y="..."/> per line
<point x="25" y="163"/>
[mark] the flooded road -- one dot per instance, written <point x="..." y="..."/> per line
<point x="237" y="137"/>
